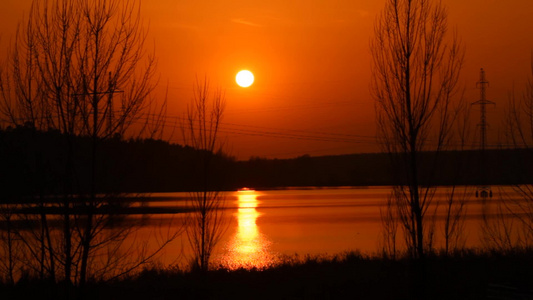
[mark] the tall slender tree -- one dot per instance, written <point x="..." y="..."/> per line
<point x="519" y="135"/>
<point x="414" y="78"/>
<point x="205" y="223"/>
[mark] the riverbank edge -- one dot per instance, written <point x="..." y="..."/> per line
<point x="467" y="274"/>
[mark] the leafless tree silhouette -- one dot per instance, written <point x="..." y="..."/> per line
<point x="389" y="221"/>
<point x="414" y="78"/>
<point x="10" y="245"/>
<point x="81" y="68"/>
<point x="453" y="228"/>
<point x="205" y="224"/>
<point x="454" y="225"/>
<point x="519" y="135"/>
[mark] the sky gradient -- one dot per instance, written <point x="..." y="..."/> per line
<point x="311" y="63"/>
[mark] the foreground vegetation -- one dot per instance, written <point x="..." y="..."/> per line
<point x="470" y="274"/>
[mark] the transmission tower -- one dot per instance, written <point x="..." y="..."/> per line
<point x="483" y="190"/>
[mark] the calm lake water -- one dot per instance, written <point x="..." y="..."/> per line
<point x="265" y="225"/>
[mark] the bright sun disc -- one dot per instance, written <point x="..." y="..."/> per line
<point x="244" y="78"/>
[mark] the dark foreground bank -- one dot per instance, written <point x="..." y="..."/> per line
<point x="465" y="275"/>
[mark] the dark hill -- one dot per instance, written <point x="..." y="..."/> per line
<point x="34" y="162"/>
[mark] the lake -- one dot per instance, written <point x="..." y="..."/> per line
<point x="263" y="226"/>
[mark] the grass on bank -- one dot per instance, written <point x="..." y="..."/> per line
<point x="469" y="274"/>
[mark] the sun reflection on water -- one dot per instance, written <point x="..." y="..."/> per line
<point x="248" y="248"/>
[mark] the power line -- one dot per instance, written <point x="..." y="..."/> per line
<point x="280" y="129"/>
<point x="229" y="128"/>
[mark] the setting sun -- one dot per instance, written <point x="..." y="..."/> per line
<point x="244" y="78"/>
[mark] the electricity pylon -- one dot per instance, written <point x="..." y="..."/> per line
<point x="484" y="189"/>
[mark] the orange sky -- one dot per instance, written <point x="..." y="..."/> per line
<point x="311" y="64"/>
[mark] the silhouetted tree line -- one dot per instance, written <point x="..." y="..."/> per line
<point x="134" y="165"/>
<point x="149" y="165"/>
<point x="509" y="166"/>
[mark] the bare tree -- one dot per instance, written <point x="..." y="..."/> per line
<point x="35" y="91"/>
<point x="389" y="221"/>
<point x="519" y="135"/>
<point x="79" y="67"/>
<point x="414" y="77"/>
<point x="502" y="233"/>
<point x="10" y="248"/>
<point x="519" y="121"/>
<point x="110" y="53"/>
<point x="205" y="223"/>
<point x="454" y="226"/>
<point x="456" y="197"/>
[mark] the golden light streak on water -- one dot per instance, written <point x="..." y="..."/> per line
<point x="248" y="248"/>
